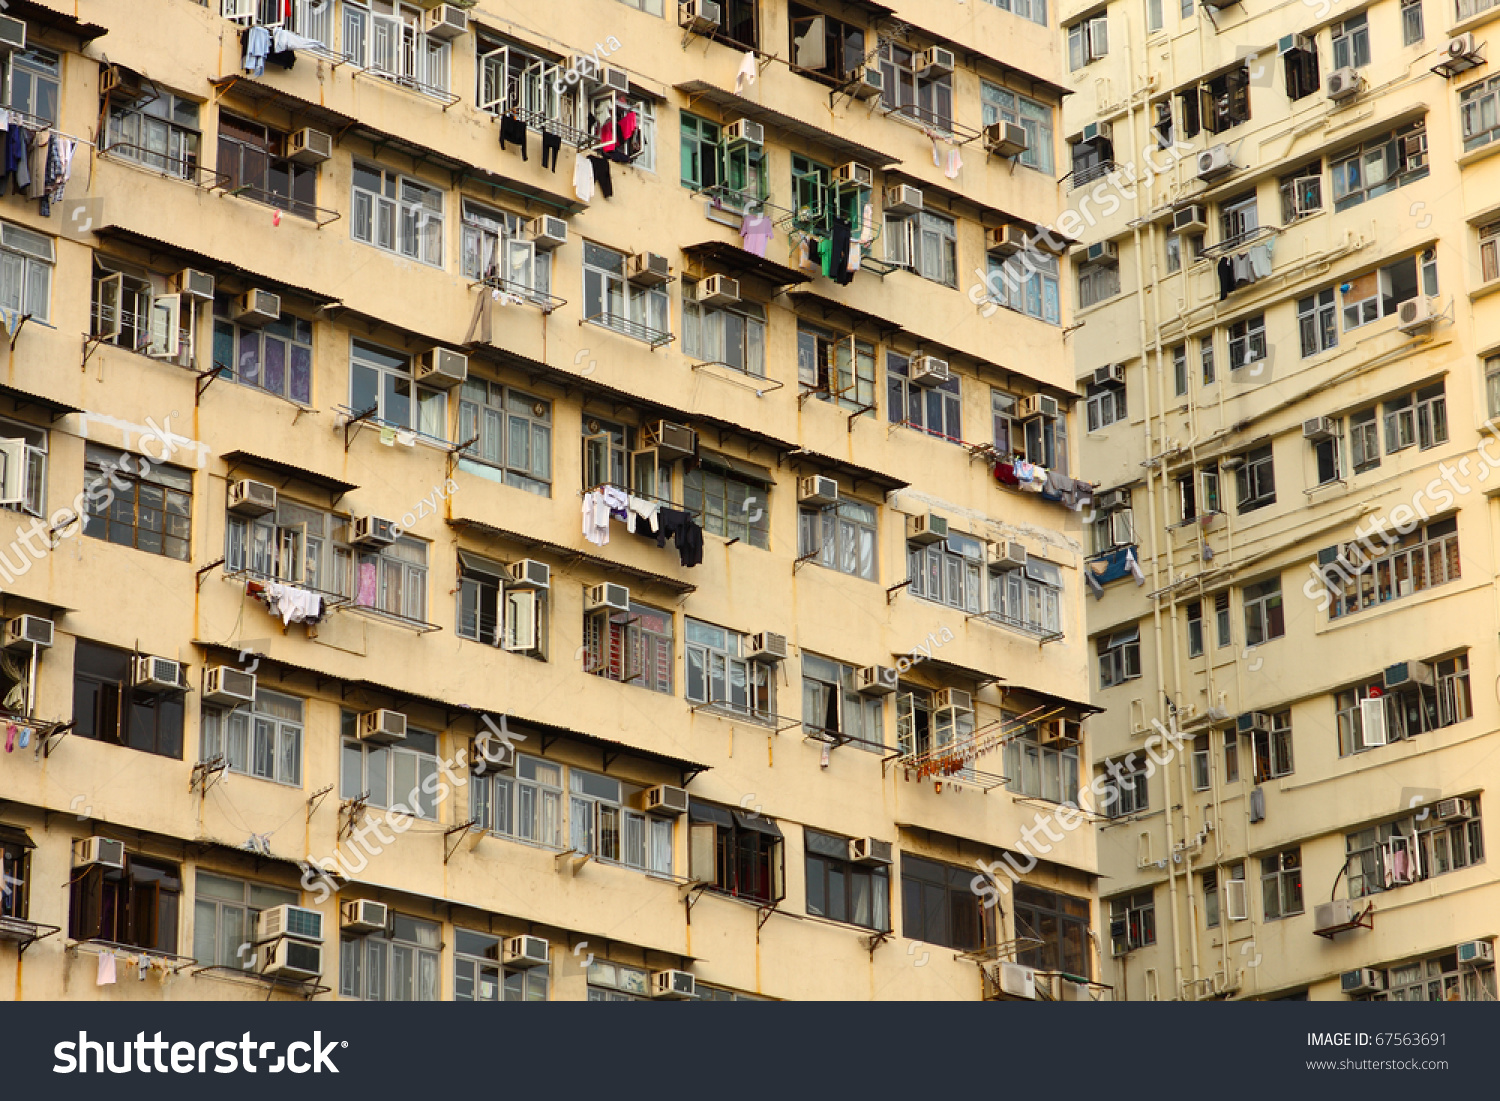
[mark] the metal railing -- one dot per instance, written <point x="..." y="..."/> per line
<point x="540" y="299"/>
<point x="295" y="207"/>
<point x="187" y="169"/>
<point x="634" y="329"/>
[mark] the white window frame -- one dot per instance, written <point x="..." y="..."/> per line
<point x="422" y="763"/>
<point x="211" y="911"/>
<point x="237" y="735"/>
<point x="26" y="263"/>
<point x="405" y="217"/>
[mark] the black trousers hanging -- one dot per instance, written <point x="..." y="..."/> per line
<point x="513" y="130"/>
<point x="601" y="176"/>
<point x="551" y="145"/>
<point x="839" y="264"/>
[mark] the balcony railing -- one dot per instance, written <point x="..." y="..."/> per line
<point x="634" y="329"/>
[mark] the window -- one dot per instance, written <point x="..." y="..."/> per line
<point x="1420" y="419"/>
<point x="916" y="97"/>
<point x="1273" y="748"/>
<point x="1264" y="616"/>
<point x="1422" y="559"/>
<point x="1231" y="756"/>
<point x="479" y="977"/>
<point x="937" y="906"/>
<point x="523" y="802"/>
<point x="733" y="173"/>
<point x="1302" y="192"/>
<point x="1238" y="218"/>
<point x="263" y="739"/>
<point x="1153" y="16"/>
<point x="614" y="982"/>
<point x="1029" y="599"/>
<point x="1061" y="923"/>
<point x="15" y="873"/>
<point x="1105" y="402"/>
<point x="382" y="379"/>
<point x="1174" y="253"/>
<point x="840" y="890"/>
<point x="400" y="776"/>
<point x="1489" y="253"/>
<point x="1027" y="283"/>
<point x="1179" y="371"/>
<point x="534" y="86"/>
<point x="386" y="38"/>
<point x="1041" y="771"/>
<point x="1479" y="111"/>
<point x="839" y="538"/>
<point x="391" y="579"/>
<point x="397" y="214"/>
<point x="1129" y="786"/>
<point x="1195" y="629"/>
<point x="1255" y="480"/>
<point x="1034" y="10"/>
<point x="738" y="853"/>
<point x="1379" y="165"/>
<point x="1411" y="849"/>
<point x="1210" y="886"/>
<point x="1411" y="22"/>
<point x="999" y="104"/>
<point x="720" y="674"/>
<point x="1301" y="66"/>
<point x="26" y="261"/>
<point x="922" y="728"/>
<point x="1351" y="42"/>
<point x="399" y="965"/>
<point x="733" y="337"/>
<point x="224" y="913"/>
<point x="1188" y="101"/>
<point x="1492" y="383"/>
<point x="107" y="709"/>
<point x="601" y="824"/>
<point x="1224" y="102"/>
<point x="1047" y="441"/>
<point x="1364" y="441"/>
<point x="1328" y="454"/>
<point x="1097" y="281"/>
<point x="632" y="647"/>
<point x="514" y="435"/>
<point x="1281" y="884"/>
<point x="1317" y="322"/>
<point x="496" y="250"/>
<point x="145" y="506"/>
<point x="925" y="243"/>
<point x="609" y="112"/>
<point x="131" y="310"/>
<point x="35" y="83"/>
<point x="1247" y="342"/>
<point x="136" y="906"/>
<point x="160" y="133"/>
<point x="935" y="410"/>
<point x="1088" y="41"/>
<point x="275" y="357"/>
<point x="834" y="710"/>
<point x="1206" y="358"/>
<point x="292" y="544"/>
<point x="253" y="157"/>
<point x="812" y="188"/>
<point x="650" y="7"/>
<point x="1376" y="294"/>
<point x="1132" y="922"/>
<point x="728" y="504"/>
<point x="1221" y="619"/>
<point x="30" y="449"/>
<point x="609" y="300"/>
<point x="1119" y="657"/>
<point x="839" y="369"/>
<point x="947" y="572"/>
<point x="1439" y="979"/>
<point x="825" y="45"/>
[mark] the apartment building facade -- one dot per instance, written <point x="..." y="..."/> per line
<point x="481" y="537"/>
<point x="1287" y="351"/>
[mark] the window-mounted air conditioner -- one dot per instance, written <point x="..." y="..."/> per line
<point x="251" y="498"/>
<point x="154" y="674"/>
<point x="903" y="199"/>
<point x="745" y="132"/>
<point x="528" y="573"/>
<point x="618" y="79"/>
<point x="288" y="920"/>
<point x="1294" y="43"/>
<point x="1037" y="405"/>
<point x="952" y="699"/>
<point x="1362" y="980"/>
<point x="12" y="33"/>
<point x="364" y="915"/>
<point x="1215" y="162"/>
<point x="1335" y="914"/>
<point x="925" y="529"/>
<point x="672" y="441"/>
<point x="547" y="232"/>
<point x="854" y="174"/>
<point x="1096" y="132"/>
<point x="22" y="632"/>
<point x="1253" y="722"/>
<point x="289" y="958"/>
<point x="1453" y="810"/>
<point x="106" y="852"/>
<point x="118" y="79"/>
<point x="491" y="754"/>
<point x="1342" y="83"/>
<point x="1007" y="240"/>
<point x="718" y="290"/>
<point x="309" y="146"/>
<point x="1052" y="731"/>
<point x="929" y="371"/>
<point x="673" y="985"/>
<point x="1462" y="47"/>
<point x="609" y="596"/>
<point x="1006" y="139"/>
<point x="1111" y="499"/>
<point x="767" y="647"/>
<point x="1414" y="315"/>
<point x="1407" y="674"/>
<point x="935" y="61"/>
<point x="372" y="531"/>
<point x="256" y="307"/>
<point x="664" y="799"/>
<point x="817" y="490"/>
<point x="698" y="16"/>
<point x="228" y="685"/>
<point x="1318" y="429"/>
<point x="1192" y="218"/>
<point x="876" y="680"/>
<point x="867" y="82"/>
<point x="197" y="285"/>
<point x="1099" y="250"/>
<point x="1017" y="980"/>
<point x="649" y="269"/>
<point x="442" y="367"/>
<point x="1007" y="554"/>
<point x="382" y="727"/>
<point x="527" y="952"/>
<point x="446" y="21"/>
<point x="869" y="850"/>
<point x="1110" y="372"/>
<point x="1476" y="952"/>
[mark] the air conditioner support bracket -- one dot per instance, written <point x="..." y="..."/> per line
<point x="90" y="346"/>
<point x="351" y="810"/>
<point x="875" y="940"/>
<point x="202" y="573"/>
<point x="21" y="324"/>
<point x="460" y="830"/>
<point x="206" y="379"/>
<point x="315" y="800"/>
<point x="764" y="915"/>
<point x="894" y="591"/>
<point x="48" y="741"/>
<point x="1365" y="919"/>
<point x="357" y="421"/>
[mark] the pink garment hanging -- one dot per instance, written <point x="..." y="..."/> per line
<point x="106" y="975"/>
<point x="366" y="597"/>
<point x="628" y="125"/>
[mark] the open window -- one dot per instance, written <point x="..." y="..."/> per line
<point x="738" y="853"/>
<point x="137" y="905"/>
<point x="824" y="45"/>
<point x="132" y="310"/>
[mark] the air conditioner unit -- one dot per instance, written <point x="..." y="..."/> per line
<point x="382" y="727"/>
<point x="291" y="959"/>
<point x="1037" y="405"/>
<point x="288" y="920"/>
<point x="446" y="21"/>
<point x="854" y="174"/>
<point x="1476" y="952"/>
<point x="1017" y="980"/>
<point x="1462" y="47"/>
<point x="256" y="307"/>
<point x="609" y="596"/>
<point x="309" y="146"/>
<point x="618" y="79"/>
<point x="1453" y="810"/>
<point x="718" y="290"/>
<point x="372" y="531"/>
<point x="766" y="647"/>
<point x="114" y="78"/>
<point x="22" y="632"/>
<point x="251" y="498"/>
<point x="12" y="33"/>
<point x="1192" y="218"/>
<point x="867" y="82"/>
<point x="1342" y="83"/>
<point x="1110" y="372"/>
<point x="929" y="371"/>
<point x="442" y="367"/>
<point x="1051" y="732"/>
<point x="155" y="674"/>
<point x="664" y="799"/>
<point x="903" y="199"/>
<point x="1413" y="314"/>
<point x="1362" y="980"/>
<point x="649" y="269"/>
<point x="1334" y="915"/>
<point x="1407" y="674"/>
<point x="1006" y="139"/>
<point x="817" y="490"/>
<point x="698" y="16"/>
<point x="869" y="850"/>
<point x="1292" y="42"/>
<point x="1318" y="429"/>
<point x="876" y="680"/>
<point x="673" y="985"/>
<point x="1008" y="554"/>
<point x="1215" y="162"/>
<point x="547" y="232"/>
<point x="1098" y="131"/>
<point x="226" y="684"/>
<point x="672" y="441"/>
<point x="952" y="699"/>
<point x="1007" y="240"/>
<point x="1110" y="500"/>
<point x="925" y="529"/>
<point x="935" y="61"/>
<point x="1101" y="250"/>
<point x="1253" y="722"/>
<point x="527" y="952"/>
<point x="745" y="132"/>
<point x="528" y="573"/>
<point x="363" y="915"/>
<point x="103" y="851"/>
<point x="197" y="285"/>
